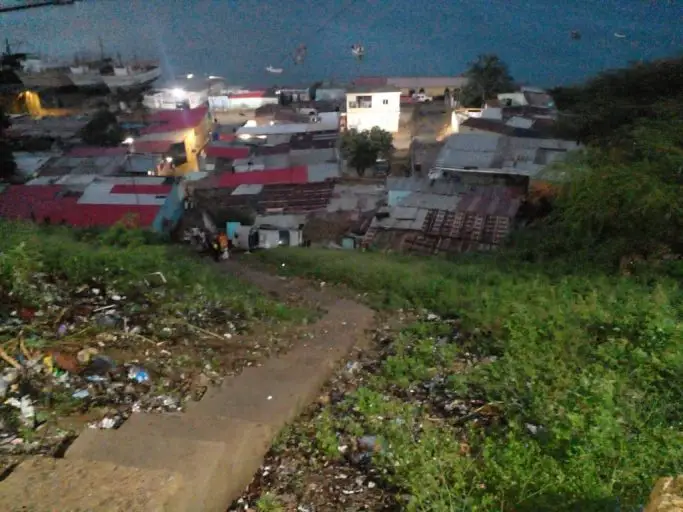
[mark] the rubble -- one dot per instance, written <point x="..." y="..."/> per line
<point x="91" y="355"/>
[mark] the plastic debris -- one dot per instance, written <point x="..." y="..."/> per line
<point x="138" y="374"/>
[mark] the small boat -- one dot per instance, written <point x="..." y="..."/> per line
<point x="619" y="35"/>
<point x="271" y="69"/>
<point x="576" y="35"/>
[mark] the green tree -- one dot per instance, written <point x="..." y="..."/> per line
<point x="624" y="199"/>
<point x="361" y="149"/>
<point x="487" y="76"/>
<point x="8" y="166"/>
<point x="383" y="141"/>
<point x="618" y="98"/>
<point x="103" y="130"/>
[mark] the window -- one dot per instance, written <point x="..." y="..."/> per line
<point x="364" y="101"/>
<point x="385" y="102"/>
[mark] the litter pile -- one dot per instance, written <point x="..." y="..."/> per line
<point x="325" y="462"/>
<point x="299" y="474"/>
<point x="92" y="355"/>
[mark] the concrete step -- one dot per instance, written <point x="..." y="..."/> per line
<point x="46" y="485"/>
<point x="197" y="428"/>
<point x="212" y="470"/>
<point x="272" y="394"/>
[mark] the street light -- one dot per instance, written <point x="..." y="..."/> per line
<point x="128" y="140"/>
<point x="178" y="93"/>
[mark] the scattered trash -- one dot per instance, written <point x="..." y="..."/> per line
<point x="95" y="353"/>
<point x="138" y="374"/>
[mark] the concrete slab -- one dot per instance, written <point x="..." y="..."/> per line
<point x="206" y="466"/>
<point x="198" y="428"/>
<point x="272" y="394"/>
<point x="48" y="485"/>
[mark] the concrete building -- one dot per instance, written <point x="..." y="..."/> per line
<point x="370" y="106"/>
<point x="243" y="99"/>
<point x="527" y="96"/>
<point x="103" y="202"/>
<point x="493" y="158"/>
<point x="190" y="92"/>
<point x="172" y="127"/>
<point x="431" y="85"/>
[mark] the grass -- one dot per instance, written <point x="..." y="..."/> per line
<point x="584" y="374"/>
<point x="122" y="258"/>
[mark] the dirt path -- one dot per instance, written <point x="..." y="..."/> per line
<point x="203" y="459"/>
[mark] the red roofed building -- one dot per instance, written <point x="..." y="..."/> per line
<point x="95" y="152"/>
<point x="275" y="176"/>
<point x="101" y="204"/>
<point x="228" y="152"/>
<point x="155" y="147"/>
<point x="190" y="126"/>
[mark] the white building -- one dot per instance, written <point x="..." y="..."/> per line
<point x="527" y="97"/>
<point x="367" y="107"/>
<point x="190" y="92"/>
<point x="242" y="99"/>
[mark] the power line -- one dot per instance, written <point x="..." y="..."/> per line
<point x="35" y="4"/>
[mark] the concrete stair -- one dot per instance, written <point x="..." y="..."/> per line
<point x="197" y="461"/>
<point x="49" y="485"/>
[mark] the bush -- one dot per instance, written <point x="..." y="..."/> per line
<point x="122" y="258"/>
<point x="583" y="369"/>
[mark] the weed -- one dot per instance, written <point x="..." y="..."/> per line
<point x="269" y="503"/>
<point x="123" y="258"/>
<point x="585" y="382"/>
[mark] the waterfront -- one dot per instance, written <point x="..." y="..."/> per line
<point x="238" y="39"/>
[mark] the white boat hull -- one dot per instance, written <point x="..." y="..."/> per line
<point x="86" y="80"/>
<point x="114" y="82"/>
<point x="44" y="79"/>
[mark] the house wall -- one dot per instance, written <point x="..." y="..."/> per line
<point x="222" y="103"/>
<point x="516" y="98"/>
<point x="171" y="211"/>
<point x="330" y="94"/>
<point x="167" y="100"/>
<point x="384" y="115"/>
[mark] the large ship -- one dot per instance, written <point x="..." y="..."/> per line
<point x="86" y="75"/>
<point x="33" y="72"/>
<point x="122" y="76"/>
<point x="36" y="73"/>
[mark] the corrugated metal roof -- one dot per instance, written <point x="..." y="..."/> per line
<point x="281" y="220"/>
<point x="355" y="198"/>
<point x="322" y="172"/>
<point x="141" y="189"/>
<point x="247" y="190"/>
<point x="273" y="176"/>
<point x="95" y="151"/>
<point x="152" y="146"/>
<point x="433" y="201"/>
<point x="175" y="120"/>
<point x="231" y="152"/>
<point x="43" y="202"/>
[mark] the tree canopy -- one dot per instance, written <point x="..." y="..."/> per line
<point x="363" y="148"/>
<point x="8" y="166"/>
<point x="103" y="130"/>
<point x="624" y="193"/>
<point x="487" y="77"/>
